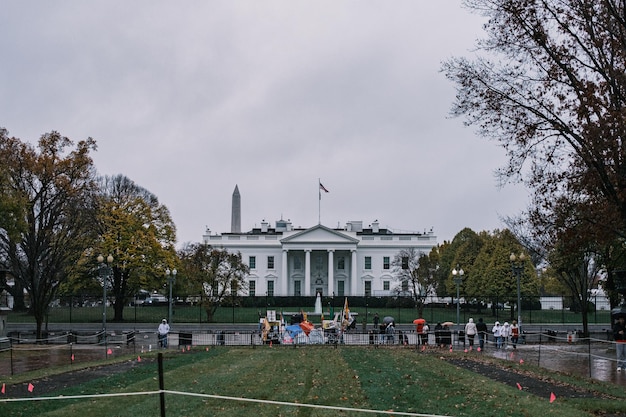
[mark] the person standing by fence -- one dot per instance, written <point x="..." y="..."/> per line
<point x="514" y="334"/>
<point x="163" y="330"/>
<point x="497" y="334"/>
<point x="619" y="334"/>
<point x="470" y="332"/>
<point x="481" y="328"/>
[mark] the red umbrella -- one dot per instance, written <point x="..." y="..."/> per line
<point x="419" y="321"/>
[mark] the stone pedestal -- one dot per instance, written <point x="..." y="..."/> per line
<point x="4" y="315"/>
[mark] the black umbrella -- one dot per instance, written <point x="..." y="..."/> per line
<point x="618" y="312"/>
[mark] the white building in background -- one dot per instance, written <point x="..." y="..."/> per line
<point x="352" y="261"/>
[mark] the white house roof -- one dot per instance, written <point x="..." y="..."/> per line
<point x="320" y="235"/>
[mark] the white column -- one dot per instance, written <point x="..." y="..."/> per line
<point x="353" y="274"/>
<point x="307" y="272"/>
<point x="331" y="270"/>
<point x="284" y="288"/>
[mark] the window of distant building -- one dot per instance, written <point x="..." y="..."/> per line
<point x="405" y="262"/>
<point x="368" y="288"/>
<point x="386" y="262"/>
<point x="405" y="286"/>
<point x="341" y="263"/>
<point x="368" y="262"/>
<point x="297" y="263"/>
<point x="341" y="287"/>
<point x="252" y="288"/>
<point x="252" y="262"/>
<point x="270" y="262"/>
<point x="386" y="285"/>
<point x="297" y="290"/>
<point x="270" y="288"/>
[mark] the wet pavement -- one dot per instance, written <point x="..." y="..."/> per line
<point x="595" y="360"/>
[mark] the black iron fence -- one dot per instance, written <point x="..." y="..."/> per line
<point x="192" y="309"/>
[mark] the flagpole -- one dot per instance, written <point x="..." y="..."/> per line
<point x="319" y="201"/>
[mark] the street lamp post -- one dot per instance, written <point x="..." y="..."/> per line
<point x="517" y="266"/>
<point x="458" y="279"/>
<point x="171" y="279"/>
<point x="104" y="274"/>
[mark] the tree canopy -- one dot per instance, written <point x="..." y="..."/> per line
<point x="548" y="82"/>
<point x="216" y="273"/>
<point x="133" y="227"/>
<point x="50" y="194"/>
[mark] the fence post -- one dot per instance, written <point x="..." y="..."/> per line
<point x="161" y="385"/>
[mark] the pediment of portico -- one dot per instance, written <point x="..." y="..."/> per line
<point x="320" y="235"/>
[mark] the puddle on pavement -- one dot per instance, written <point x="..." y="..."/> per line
<point x="596" y="361"/>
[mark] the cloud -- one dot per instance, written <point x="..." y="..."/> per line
<point x="189" y="99"/>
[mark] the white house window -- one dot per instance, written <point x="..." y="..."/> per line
<point x="368" y="288"/>
<point x="297" y="289"/>
<point x="270" y="262"/>
<point x="270" y="288"/>
<point x="386" y="285"/>
<point x="341" y="288"/>
<point x="252" y="288"/>
<point x="252" y="262"/>
<point x="341" y="263"/>
<point x="368" y="262"/>
<point x="297" y="263"/>
<point x="386" y="263"/>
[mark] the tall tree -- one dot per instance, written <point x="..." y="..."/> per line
<point x="138" y="232"/>
<point x="56" y="187"/>
<point x="549" y="84"/>
<point x="461" y="253"/>
<point x="416" y="274"/>
<point x="492" y="274"/>
<point x="216" y="273"/>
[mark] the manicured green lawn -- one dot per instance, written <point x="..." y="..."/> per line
<point x="195" y="314"/>
<point x="403" y="380"/>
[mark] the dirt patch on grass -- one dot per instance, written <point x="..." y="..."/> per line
<point x="529" y="382"/>
<point x="57" y="382"/>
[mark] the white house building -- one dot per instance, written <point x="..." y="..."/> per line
<point x="283" y="261"/>
<point x="351" y="261"/>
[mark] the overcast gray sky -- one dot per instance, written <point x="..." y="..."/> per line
<point x="190" y="98"/>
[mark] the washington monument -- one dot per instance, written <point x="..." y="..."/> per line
<point x="235" y="222"/>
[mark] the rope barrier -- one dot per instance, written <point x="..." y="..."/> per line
<point x="222" y="397"/>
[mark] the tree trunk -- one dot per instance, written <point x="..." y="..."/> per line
<point x="118" y="309"/>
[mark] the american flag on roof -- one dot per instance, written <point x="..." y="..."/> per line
<point x="323" y="188"/>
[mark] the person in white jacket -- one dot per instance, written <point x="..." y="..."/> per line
<point x="497" y="334"/>
<point x="506" y="333"/>
<point x="470" y="332"/>
<point x="163" y="330"/>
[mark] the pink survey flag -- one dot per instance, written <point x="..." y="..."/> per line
<point x="72" y="357"/>
<point x="109" y="352"/>
<point x="519" y="386"/>
<point x="552" y="397"/>
<point x="31" y="387"/>
<point x="3" y="388"/>
<point x="138" y="358"/>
